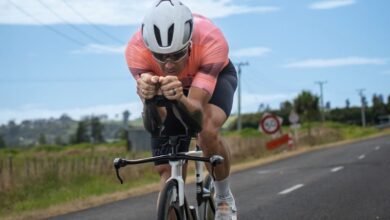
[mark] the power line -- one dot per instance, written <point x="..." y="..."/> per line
<point x="89" y="22"/>
<point x="45" y="25"/>
<point x="66" y="22"/>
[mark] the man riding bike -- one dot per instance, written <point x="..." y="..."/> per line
<point x="184" y="57"/>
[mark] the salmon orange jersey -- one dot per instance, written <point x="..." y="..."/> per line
<point x="209" y="55"/>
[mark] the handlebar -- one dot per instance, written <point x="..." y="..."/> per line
<point x="121" y="162"/>
<point x="160" y="101"/>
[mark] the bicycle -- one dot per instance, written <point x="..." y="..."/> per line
<point x="172" y="203"/>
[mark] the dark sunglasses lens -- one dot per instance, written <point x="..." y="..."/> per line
<point x="159" y="57"/>
<point x="174" y="57"/>
<point x="179" y="55"/>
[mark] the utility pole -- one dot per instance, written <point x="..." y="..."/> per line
<point x="362" y="99"/>
<point x="239" y="65"/>
<point x="321" y="83"/>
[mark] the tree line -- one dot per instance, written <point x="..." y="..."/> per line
<point x="61" y="131"/>
<point x="307" y="106"/>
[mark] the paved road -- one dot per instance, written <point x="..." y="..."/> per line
<point x="347" y="182"/>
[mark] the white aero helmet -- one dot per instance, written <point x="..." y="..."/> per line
<point x="167" y="27"/>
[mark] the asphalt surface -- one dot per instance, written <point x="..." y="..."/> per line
<point x="347" y="182"/>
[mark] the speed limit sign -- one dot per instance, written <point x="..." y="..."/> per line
<point x="270" y="124"/>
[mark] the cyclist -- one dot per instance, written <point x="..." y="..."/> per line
<point x="184" y="57"/>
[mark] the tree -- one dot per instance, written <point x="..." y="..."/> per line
<point x="388" y="105"/>
<point x="59" y="141"/>
<point x="378" y="108"/>
<point x="81" y="133"/>
<point x="285" y="110"/>
<point x="328" y="106"/>
<point x="42" y="139"/>
<point x="97" y="130"/>
<point x="2" y="142"/>
<point x="126" y="115"/>
<point x="347" y="104"/>
<point x="306" y="104"/>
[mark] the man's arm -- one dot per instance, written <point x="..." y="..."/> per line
<point x="153" y="116"/>
<point x="192" y="105"/>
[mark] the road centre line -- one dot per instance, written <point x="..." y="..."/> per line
<point x="336" y="169"/>
<point x="286" y="191"/>
<point x="264" y="171"/>
<point x="377" y="147"/>
<point x="361" y="156"/>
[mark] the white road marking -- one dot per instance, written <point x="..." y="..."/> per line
<point x="377" y="147"/>
<point x="337" y="169"/>
<point x="264" y="171"/>
<point x="361" y="156"/>
<point x="291" y="189"/>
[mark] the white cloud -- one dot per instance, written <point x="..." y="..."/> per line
<point x="336" y="62"/>
<point x="250" y="52"/>
<point x="39" y="112"/>
<point x="101" y="49"/>
<point x="322" y="5"/>
<point x="113" y="12"/>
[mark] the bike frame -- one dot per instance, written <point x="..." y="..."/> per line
<point x="177" y="173"/>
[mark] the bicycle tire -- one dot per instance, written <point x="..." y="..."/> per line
<point x="168" y="205"/>
<point x="209" y="203"/>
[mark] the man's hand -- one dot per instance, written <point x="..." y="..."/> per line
<point x="147" y="85"/>
<point x="171" y="87"/>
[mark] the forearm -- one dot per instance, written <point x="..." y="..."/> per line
<point x="193" y="108"/>
<point x="153" y="118"/>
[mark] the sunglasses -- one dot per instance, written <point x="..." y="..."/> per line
<point x="174" y="57"/>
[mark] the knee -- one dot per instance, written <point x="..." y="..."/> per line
<point x="164" y="171"/>
<point x="209" y="134"/>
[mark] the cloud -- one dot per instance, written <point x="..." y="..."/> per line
<point x="101" y="49"/>
<point x="250" y="52"/>
<point x="34" y="111"/>
<point x="336" y="62"/>
<point x="113" y="12"/>
<point x="323" y="5"/>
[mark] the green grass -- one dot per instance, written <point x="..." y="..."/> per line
<point x="246" y="132"/>
<point x="51" y="189"/>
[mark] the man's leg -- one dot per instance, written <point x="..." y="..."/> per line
<point x="212" y="144"/>
<point x="210" y="140"/>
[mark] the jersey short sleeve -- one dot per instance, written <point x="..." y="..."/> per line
<point x="137" y="56"/>
<point x="213" y="54"/>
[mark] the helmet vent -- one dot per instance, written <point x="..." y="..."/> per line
<point x="158" y="35"/>
<point x="170" y="34"/>
<point x="164" y="1"/>
<point x="187" y="31"/>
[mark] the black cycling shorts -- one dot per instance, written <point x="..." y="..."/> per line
<point x="222" y="97"/>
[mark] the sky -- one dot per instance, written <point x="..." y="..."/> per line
<point x="67" y="56"/>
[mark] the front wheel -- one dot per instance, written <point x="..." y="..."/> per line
<point x="168" y="205"/>
<point x="209" y="202"/>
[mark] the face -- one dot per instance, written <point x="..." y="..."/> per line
<point x="172" y="64"/>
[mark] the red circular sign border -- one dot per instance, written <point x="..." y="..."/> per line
<point x="277" y="124"/>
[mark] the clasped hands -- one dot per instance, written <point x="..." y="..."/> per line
<point x="149" y="85"/>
